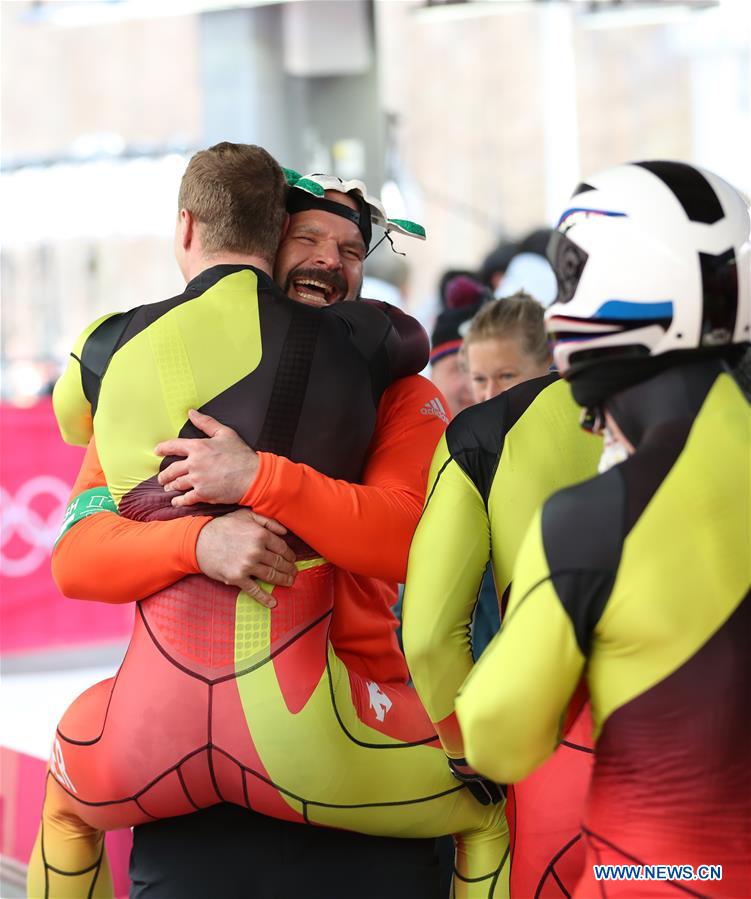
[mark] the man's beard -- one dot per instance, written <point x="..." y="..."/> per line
<point x="316" y="286"/>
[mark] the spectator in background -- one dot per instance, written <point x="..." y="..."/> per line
<point x="529" y="270"/>
<point x="450" y="286"/>
<point x="536" y="242"/>
<point x="505" y="345"/>
<point x="496" y="263"/>
<point x="463" y="297"/>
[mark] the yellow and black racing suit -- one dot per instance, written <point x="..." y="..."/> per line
<point x="220" y="698"/>
<point x="496" y="464"/>
<point x="639" y="578"/>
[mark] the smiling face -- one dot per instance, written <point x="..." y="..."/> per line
<point x="497" y="363"/>
<point x="450" y="378"/>
<point x="320" y="258"/>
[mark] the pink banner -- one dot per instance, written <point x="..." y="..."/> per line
<point x="21" y="795"/>
<point x="37" y="471"/>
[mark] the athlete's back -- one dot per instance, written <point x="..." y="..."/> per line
<point x="643" y="574"/>
<point x="669" y="667"/>
<point x="290" y="379"/>
<point x="497" y="463"/>
<point x="640" y="577"/>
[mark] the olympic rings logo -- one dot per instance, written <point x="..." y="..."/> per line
<point x="21" y="520"/>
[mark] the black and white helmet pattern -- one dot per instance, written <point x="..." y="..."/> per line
<point x="650" y="258"/>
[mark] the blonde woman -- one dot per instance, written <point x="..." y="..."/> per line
<point x="505" y="344"/>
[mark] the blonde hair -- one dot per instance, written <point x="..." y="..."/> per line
<point x="237" y="194"/>
<point x="518" y="316"/>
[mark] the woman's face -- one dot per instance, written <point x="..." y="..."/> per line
<point x="497" y="363"/>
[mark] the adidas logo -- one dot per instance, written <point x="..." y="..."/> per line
<point x="435" y="407"/>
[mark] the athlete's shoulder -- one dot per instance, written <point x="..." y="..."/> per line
<point x="476" y="437"/>
<point x="72" y="396"/>
<point x="486" y="424"/>
<point x="97" y="339"/>
<point x="526" y="398"/>
<point x="105" y="331"/>
<point x="364" y="324"/>
<point x="271" y="295"/>
<point x="404" y="324"/>
<point x="385" y="332"/>
<point x="413" y="388"/>
<point x="212" y="281"/>
<point x="361" y="313"/>
<point x="90" y="329"/>
<point x="413" y="398"/>
<point x="98" y="342"/>
<point x="147" y="313"/>
<point x="583" y="525"/>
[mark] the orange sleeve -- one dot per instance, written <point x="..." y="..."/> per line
<point x="364" y="528"/>
<point x="90" y="474"/>
<point x="112" y="559"/>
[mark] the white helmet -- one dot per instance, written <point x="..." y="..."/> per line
<point x="650" y="258"/>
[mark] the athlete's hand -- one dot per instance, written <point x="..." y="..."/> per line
<point x="485" y="791"/>
<point x="243" y="545"/>
<point x="218" y="470"/>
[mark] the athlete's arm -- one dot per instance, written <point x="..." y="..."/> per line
<point x="393" y="490"/>
<point x="364" y="528"/>
<point x="407" y="345"/>
<point x="97" y="554"/>
<point x="511" y="709"/>
<point x="447" y="560"/>
<point x="101" y="556"/>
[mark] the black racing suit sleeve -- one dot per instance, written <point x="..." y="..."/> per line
<point x="394" y="344"/>
<point x="407" y="342"/>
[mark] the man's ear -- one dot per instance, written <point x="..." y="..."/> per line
<point x="285" y="227"/>
<point x="187" y="229"/>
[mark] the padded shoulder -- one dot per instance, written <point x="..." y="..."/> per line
<point x="408" y="344"/>
<point x="367" y="324"/>
<point x="394" y="344"/>
<point x="69" y="398"/>
<point x="97" y="351"/>
<point x="476" y="437"/>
